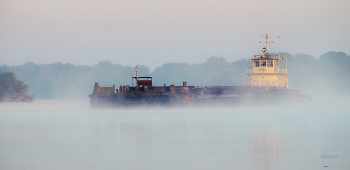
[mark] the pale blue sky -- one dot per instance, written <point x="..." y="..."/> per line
<point x="155" y="32"/>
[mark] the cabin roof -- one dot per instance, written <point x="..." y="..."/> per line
<point x="142" y="77"/>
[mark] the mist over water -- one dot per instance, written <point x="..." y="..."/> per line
<point x="72" y="135"/>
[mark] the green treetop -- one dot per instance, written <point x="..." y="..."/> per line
<point x="10" y="85"/>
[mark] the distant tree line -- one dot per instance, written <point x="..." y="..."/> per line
<point x="10" y="85"/>
<point x="330" y="73"/>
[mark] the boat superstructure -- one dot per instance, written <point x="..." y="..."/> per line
<point x="267" y="70"/>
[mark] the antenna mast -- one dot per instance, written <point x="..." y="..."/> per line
<point x="136" y="73"/>
<point x="267" y="41"/>
<point x="278" y="39"/>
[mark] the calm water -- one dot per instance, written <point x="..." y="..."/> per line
<point x="71" y="135"/>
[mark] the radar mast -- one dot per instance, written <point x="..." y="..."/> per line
<point x="266" y="42"/>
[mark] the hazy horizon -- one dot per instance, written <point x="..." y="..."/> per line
<point x="153" y="33"/>
<point x="151" y="69"/>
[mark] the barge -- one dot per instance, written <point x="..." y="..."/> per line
<point x="268" y="84"/>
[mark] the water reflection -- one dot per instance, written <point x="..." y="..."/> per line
<point x="270" y="148"/>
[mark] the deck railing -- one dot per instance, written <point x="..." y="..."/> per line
<point x="266" y="70"/>
<point x="265" y="57"/>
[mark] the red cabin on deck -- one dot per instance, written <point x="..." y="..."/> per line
<point x="145" y="81"/>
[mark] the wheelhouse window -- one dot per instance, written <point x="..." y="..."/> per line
<point x="256" y="64"/>
<point x="270" y="64"/>
<point x="263" y="64"/>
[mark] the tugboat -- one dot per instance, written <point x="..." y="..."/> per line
<point x="266" y="70"/>
<point x="268" y="84"/>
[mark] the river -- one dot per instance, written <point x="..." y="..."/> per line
<point x="72" y="135"/>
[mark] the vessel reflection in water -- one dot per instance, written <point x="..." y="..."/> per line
<point x="270" y="148"/>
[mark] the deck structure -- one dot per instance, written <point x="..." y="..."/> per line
<point x="268" y="84"/>
<point x="266" y="70"/>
